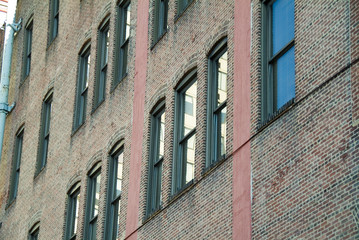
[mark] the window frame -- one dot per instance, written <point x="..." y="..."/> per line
<point x="54" y="19"/>
<point x="34" y="231"/>
<point x="72" y="212"/>
<point x="121" y="52"/>
<point x="90" y="226"/>
<point x="27" y="49"/>
<point x="102" y="62"/>
<point x="182" y="5"/>
<point x="113" y="205"/>
<point x="44" y="136"/>
<point x="269" y="106"/>
<point x="213" y="144"/>
<point x="154" y="185"/>
<point x="82" y="87"/>
<point x="160" y="20"/>
<point x="15" y="172"/>
<point x="179" y="170"/>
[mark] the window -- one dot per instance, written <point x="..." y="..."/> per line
<point x="34" y="232"/>
<point x="44" y="133"/>
<point x="73" y="199"/>
<point x="160" y="19"/>
<point x="278" y="87"/>
<point x="82" y="86"/>
<point x="92" y="204"/>
<point x="217" y="102"/>
<point x="54" y="19"/>
<point x="154" y="192"/>
<point x="102" y="59"/>
<point x="15" y="174"/>
<point x="114" y="194"/>
<point x="185" y="129"/>
<point x="123" y="35"/>
<point x="27" y="49"/>
<point x="182" y="5"/>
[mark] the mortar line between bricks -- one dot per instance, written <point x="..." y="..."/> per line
<point x="205" y="174"/>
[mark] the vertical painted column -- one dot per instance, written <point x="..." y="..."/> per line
<point x="138" y="118"/>
<point x="241" y="121"/>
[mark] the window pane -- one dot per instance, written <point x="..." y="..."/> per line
<point x="285" y="72"/>
<point x="222" y="79"/>
<point x="283" y="23"/>
<point x="106" y="45"/>
<point x="190" y="108"/>
<point x="87" y="71"/>
<point x="119" y="174"/>
<point x="222" y="130"/>
<point x="77" y="201"/>
<point x="162" y="136"/>
<point x="97" y="182"/>
<point x="190" y="152"/>
<point x="128" y="20"/>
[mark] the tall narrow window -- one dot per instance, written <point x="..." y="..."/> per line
<point x="185" y="129"/>
<point x="217" y="102"/>
<point x="114" y="194"/>
<point x="123" y="36"/>
<point x="34" y="232"/>
<point x="160" y="19"/>
<point x="15" y="174"/>
<point x="92" y="204"/>
<point x="27" y="49"/>
<point x="73" y="199"/>
<point x="278" y="87"/>
<point x="54" y="19"/>
<point x="154" y="191"/>
<point x="182" y="5"/>
<point x="44" y="133"/>
<point x="102" y="59"/>
<point x="82" y="86"/>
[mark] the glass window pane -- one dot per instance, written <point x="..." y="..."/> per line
<point x="190" y="108"/>
<point x="162" y="136"/>
<point x="285" y="72"/>
<point x="119" y="174"/>
<point x="223" y="131"/>
<point x="190" y="152"/>
<point x="128" y="20"/>
<point x="222" y="79"/>
<point x="283" y="23"/>
<point x="97" y="182"/>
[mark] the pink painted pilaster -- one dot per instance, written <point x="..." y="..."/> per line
<point x="241" y="120"/>
<point x="138" y="118"/>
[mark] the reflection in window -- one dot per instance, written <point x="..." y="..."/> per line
<point x="217" y="102"/>
<point x="160" y="19"/>
<point x="114" y="194"/>
<point x="72" y="213"/>
<point x="185" y="128"/>
<point x="27" y="49"/>
<point x="154" y="193"/>
<point x="15" y="173"/>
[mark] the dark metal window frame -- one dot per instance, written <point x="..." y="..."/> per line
<point x="155" y="162"/>
<point x="121" y="53"/>
<point x="179" y="168"/>
<point x="54" y="19"/>
<point x="160" y="19"/>
<point x="113" y="199"/>
<point x="102" y="62"/>
<point x="90" y="226"/>
<point x="213" y="153"/>
<point x="27" y="49"/>
<point x="82" y="88"/>
<point x="44" y="133"/>
<point x="72" y="195"/>
<point x="269" y="87"/>
<point x="15" y="173"/>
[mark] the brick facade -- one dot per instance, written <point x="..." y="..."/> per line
<point x="293" y="177"/>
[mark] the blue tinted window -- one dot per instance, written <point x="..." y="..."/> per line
<point x="282" y="23"/>
<point x="285" y="78"/>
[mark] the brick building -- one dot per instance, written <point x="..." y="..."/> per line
<point x="186" y="119"/>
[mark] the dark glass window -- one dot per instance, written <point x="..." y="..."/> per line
<point x="123" y="38"/>
<point x="34" y="232"/>
<point x="154" y="192"/>
<point x="15" y="174"/>
<point x="102" y="60"/>
<point x="92" y="203"/>
<point x="278" y="86"/>
<point x="44" y="133"/>
<point x="27" y="49"/>
<point x="82" y="86"/>
<point x="114" y="194"/>
<point x="185" y="129"/>
<point x="160" y="19"/>
<point x="217" y="102"/>
<point x="73" y="199"/>
<point x="54" y="19"/>
<point x="182" y="5"/>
